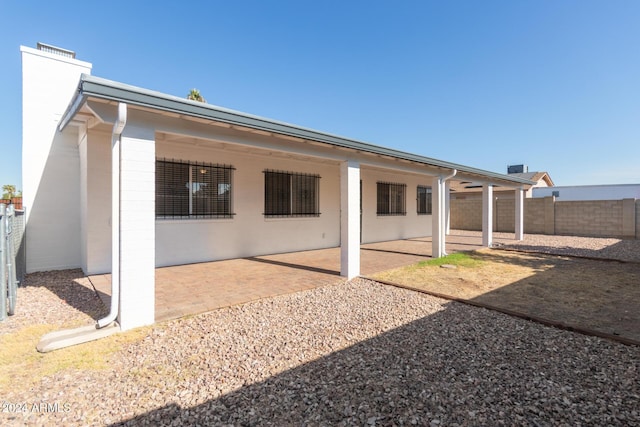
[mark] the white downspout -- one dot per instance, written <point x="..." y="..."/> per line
<point x="443" y="210"/>
<point x="118" y="127"/>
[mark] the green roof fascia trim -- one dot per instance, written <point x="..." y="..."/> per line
<point x="96" y="87"/>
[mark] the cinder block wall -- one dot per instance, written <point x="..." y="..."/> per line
<point x="534" y="216"/>
<point x="638" y="219"/>
<point x="505" y="215"/>
<point x="589" y="218"/>
<point x="599" y="218"/>
<point x="466" y="214"/>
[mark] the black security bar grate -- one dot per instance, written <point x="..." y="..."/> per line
<point x="193" y="190"/>
<point x="290" y="194"/>
<point x="424" y="200"/>
<point x="391" y="199"/>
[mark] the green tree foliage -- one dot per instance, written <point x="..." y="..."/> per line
<point x="195" y="95"/>
<point x="9" y="191"/>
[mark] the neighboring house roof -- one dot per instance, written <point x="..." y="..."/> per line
<point x="535" y="176"/>
<point x="476" y="187"/>
<point x="91" y="87"/>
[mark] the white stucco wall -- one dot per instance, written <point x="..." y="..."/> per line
<point x="248" y="233"/>
<point x="591" y="192"/>
<point x="50" y="161"/>
<point x="380" y="228"/>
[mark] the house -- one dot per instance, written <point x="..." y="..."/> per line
<point x="122" y="179"/>
<point x="470" y="190"/>
<point x="590" y="192"/>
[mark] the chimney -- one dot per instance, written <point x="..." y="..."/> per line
<point x="50" y="77"/>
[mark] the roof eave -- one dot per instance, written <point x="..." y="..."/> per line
<point x="74" y="106"/>
<point x="91" y="86"/>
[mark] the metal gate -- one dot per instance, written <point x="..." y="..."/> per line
<point x="12" y="257"/>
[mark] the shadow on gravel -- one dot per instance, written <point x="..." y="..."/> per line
<point x="470" y="367"/>
<point x="624" y="250"/>
<point x="72" y="287"/>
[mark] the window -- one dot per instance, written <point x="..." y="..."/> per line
<point x="424" y="200"/>
<point x="288" y="194"/>
<point x="193" y="190"/>
<point x="391" y="199"/>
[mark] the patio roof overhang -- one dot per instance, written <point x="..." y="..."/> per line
<point x="103" y="90"/>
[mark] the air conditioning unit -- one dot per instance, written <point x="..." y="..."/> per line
<point x="517" y="169"/>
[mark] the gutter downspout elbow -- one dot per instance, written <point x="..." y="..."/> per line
<point x="118" y="127"/>
<point x="448" y="177"/>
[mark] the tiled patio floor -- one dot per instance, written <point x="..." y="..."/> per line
<point x="195" y="288"/>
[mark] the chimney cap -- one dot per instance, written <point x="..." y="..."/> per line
<point x="56" y="50"/>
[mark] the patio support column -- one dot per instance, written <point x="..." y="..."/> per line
<point x="137" y="227"/>
<point x="487" y="215"/>
<point x="447" y="207"/>
<point x="437" y="211"/>
<point x="519" y="224"/>
<point x="350" y="219"/>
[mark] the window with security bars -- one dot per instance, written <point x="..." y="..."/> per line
<point x="391" y="199"/>
<point x="424" y="200"/>
<point x="288" y="194"/>
<point x="193" y="190"/>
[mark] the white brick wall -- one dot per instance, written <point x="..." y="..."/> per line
<point x="137" y="229"/>
<point x="350" y="219"/>
<point x="50" y="161"/>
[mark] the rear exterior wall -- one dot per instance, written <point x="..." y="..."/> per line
<point x="248" y="233"/>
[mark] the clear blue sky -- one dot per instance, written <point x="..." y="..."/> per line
<point x="553" y="84"/>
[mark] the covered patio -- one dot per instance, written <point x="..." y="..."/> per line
<point x="193" y="182"/>
<point x="195" y="288"/>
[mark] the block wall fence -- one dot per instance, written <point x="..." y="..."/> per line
<point x="595" y="218"/>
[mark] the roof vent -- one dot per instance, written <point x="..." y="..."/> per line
<point x="517" y="169"/>
<point x="56" y="50"/>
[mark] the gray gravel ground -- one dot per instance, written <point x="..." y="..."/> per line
<point x="591" y="247"/>
<point x="358" y="353"/>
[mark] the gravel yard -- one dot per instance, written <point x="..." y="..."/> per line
<point x="358" y="353"/>
<point x="591" y="247"/>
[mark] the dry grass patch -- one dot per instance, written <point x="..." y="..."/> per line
<point x="599" y="295"/>
<point x="21" y="365"/>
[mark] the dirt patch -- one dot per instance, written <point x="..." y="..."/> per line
<point x="599" y="295"/>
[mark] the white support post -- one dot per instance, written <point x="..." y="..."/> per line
<point x="350" y="219"/>
<point x="487" y="215"/>
<point x="519" y="224"/>
<point x="447" y="207"/>
<point x="137" y="227"/>
<point x="437" y="209"/>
